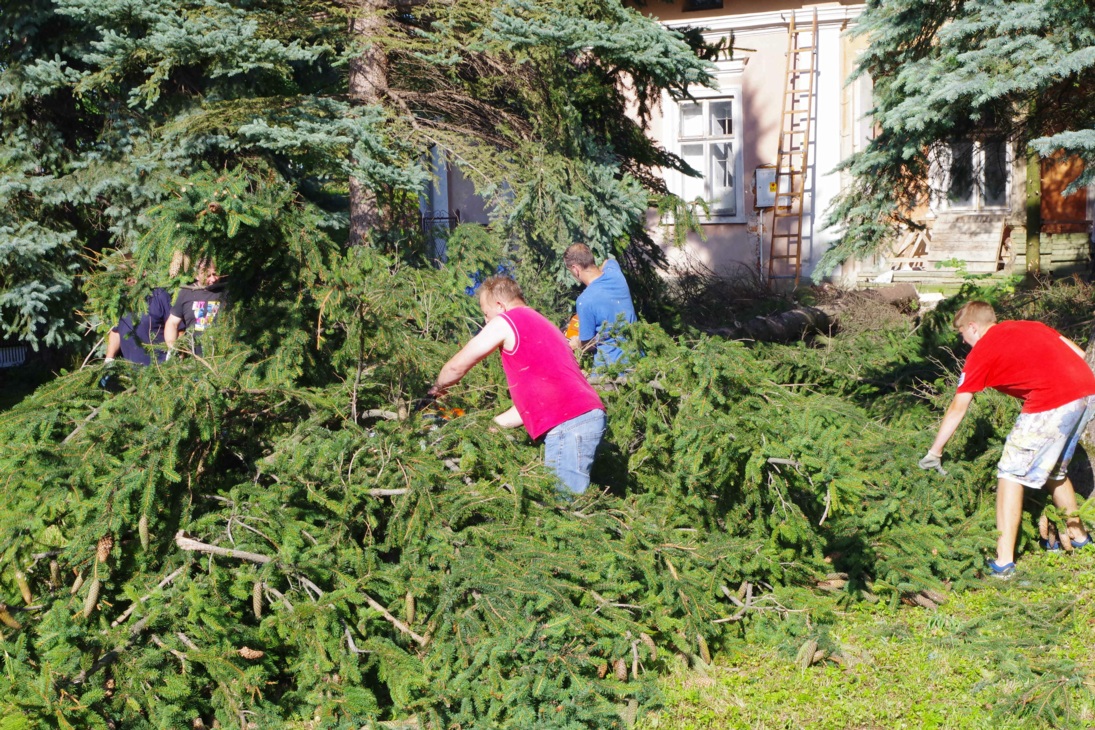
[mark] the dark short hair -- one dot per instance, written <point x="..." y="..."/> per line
<point x="502" y="287"/>
<point x="578" y="254"/>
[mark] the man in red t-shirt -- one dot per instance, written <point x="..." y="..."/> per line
<point x="551" y="397"/>
<point x="1045" y="370"/>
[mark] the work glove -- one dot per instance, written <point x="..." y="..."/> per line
<point x="931" y="461"/>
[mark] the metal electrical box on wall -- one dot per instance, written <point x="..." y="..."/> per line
<point x="764" y="181"/>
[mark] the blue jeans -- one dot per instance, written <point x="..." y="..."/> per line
<point x="569" y="449"/>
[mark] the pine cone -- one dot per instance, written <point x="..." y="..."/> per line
<point x="620" y="667"/>
<point x="256" y="599"/>
<point x="24" y="587"/>
<point x="645" y="638"/>
<point x="248" y="653"/>
<point x="92" y="598"/>
<point x="6" y="618"/>
<point x="705" y="653"/>
<point x="602" y="671"/>
<point x="102" y="550"/>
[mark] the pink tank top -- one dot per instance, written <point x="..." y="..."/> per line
<point x="544" y="380"/>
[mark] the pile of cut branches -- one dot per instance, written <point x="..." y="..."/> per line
<point x="210" y="545"/>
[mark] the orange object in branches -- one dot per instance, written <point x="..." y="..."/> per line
<point x="572" y="327"/>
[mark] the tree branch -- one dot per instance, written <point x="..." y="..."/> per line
<point x="129" y="611"/>
<point x="188" y="543"/>
<point x="422" y="641"/>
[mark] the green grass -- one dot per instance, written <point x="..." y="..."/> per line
<point x="1014" y="654"/>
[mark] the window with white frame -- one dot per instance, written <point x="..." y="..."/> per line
<point x="976" y="173"/>
<point x="863" y="102"/>
<point x="709" y="140"/>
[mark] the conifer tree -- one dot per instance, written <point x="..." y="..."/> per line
<point x="112" y="109"/>
<point x="1022" y="70"/>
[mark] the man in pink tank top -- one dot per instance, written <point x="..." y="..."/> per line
<point x="551" y="396"/>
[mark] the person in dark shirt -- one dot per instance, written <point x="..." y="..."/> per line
<point x="132" y="340"/>
<point x="196" y="306"/>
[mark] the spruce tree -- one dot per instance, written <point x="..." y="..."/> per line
<point x="943" y="70"/>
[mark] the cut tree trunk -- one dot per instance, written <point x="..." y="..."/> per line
<point x="789" y="326"/>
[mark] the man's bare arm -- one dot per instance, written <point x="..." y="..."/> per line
<point x="509" y="419"/>
<point x="171" y="331"/>
<point x="489" y="339"/>
<point x="1074" y="346"/>
<point x="956" y="411"/>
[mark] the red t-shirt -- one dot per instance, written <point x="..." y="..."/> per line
<point x="1029" y="361"/>
<point x="544" y="379"/>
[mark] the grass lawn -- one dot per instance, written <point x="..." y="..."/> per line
<point x="1014" y="654"/>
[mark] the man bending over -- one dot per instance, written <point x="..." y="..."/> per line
<point x="1047" y="372"/>
<point x="551" y="397"/>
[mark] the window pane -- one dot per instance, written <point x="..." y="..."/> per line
<point x="996" y="173"/>
<point x="864" y="91"/>
<point x="702" y="4"/>
<point x="691" y="119"/>
<point x="693" y="186"/>
<point x="960" y="193"/>
<point x="722" y="179"/>
<point x="722" y="121"/>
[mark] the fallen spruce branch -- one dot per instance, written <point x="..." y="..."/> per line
<point x="186" y="542"/>
<point x="379" y="413"/>
<point x="80" y="426"/>
<point x="129" y="611"/>
<point x="388" y="492"/>
<point x="422" y="640"/>
<point x="752" y="604"/>
<point x="178" y="654"/>
<point x="112" y="656"/>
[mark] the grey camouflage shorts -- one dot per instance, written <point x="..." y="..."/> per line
<point x="1041" y="445"/>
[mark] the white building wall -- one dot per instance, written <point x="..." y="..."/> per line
<point x="759" y="70"/>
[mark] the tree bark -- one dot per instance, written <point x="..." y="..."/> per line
<point x="368" y="85"/>
<point x="1088" y="439"/>
<point x="1034" y="213"/>
<point x="787" y="326"/>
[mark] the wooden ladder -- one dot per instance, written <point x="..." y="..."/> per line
<point x="792" y="163"/>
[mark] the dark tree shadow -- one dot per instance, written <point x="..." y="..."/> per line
<point x="1081" y="474"/>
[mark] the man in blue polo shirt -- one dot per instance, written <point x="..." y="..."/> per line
<point x="603" y="308"/>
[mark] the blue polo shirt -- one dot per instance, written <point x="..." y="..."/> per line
<point x="603" y="307"/>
